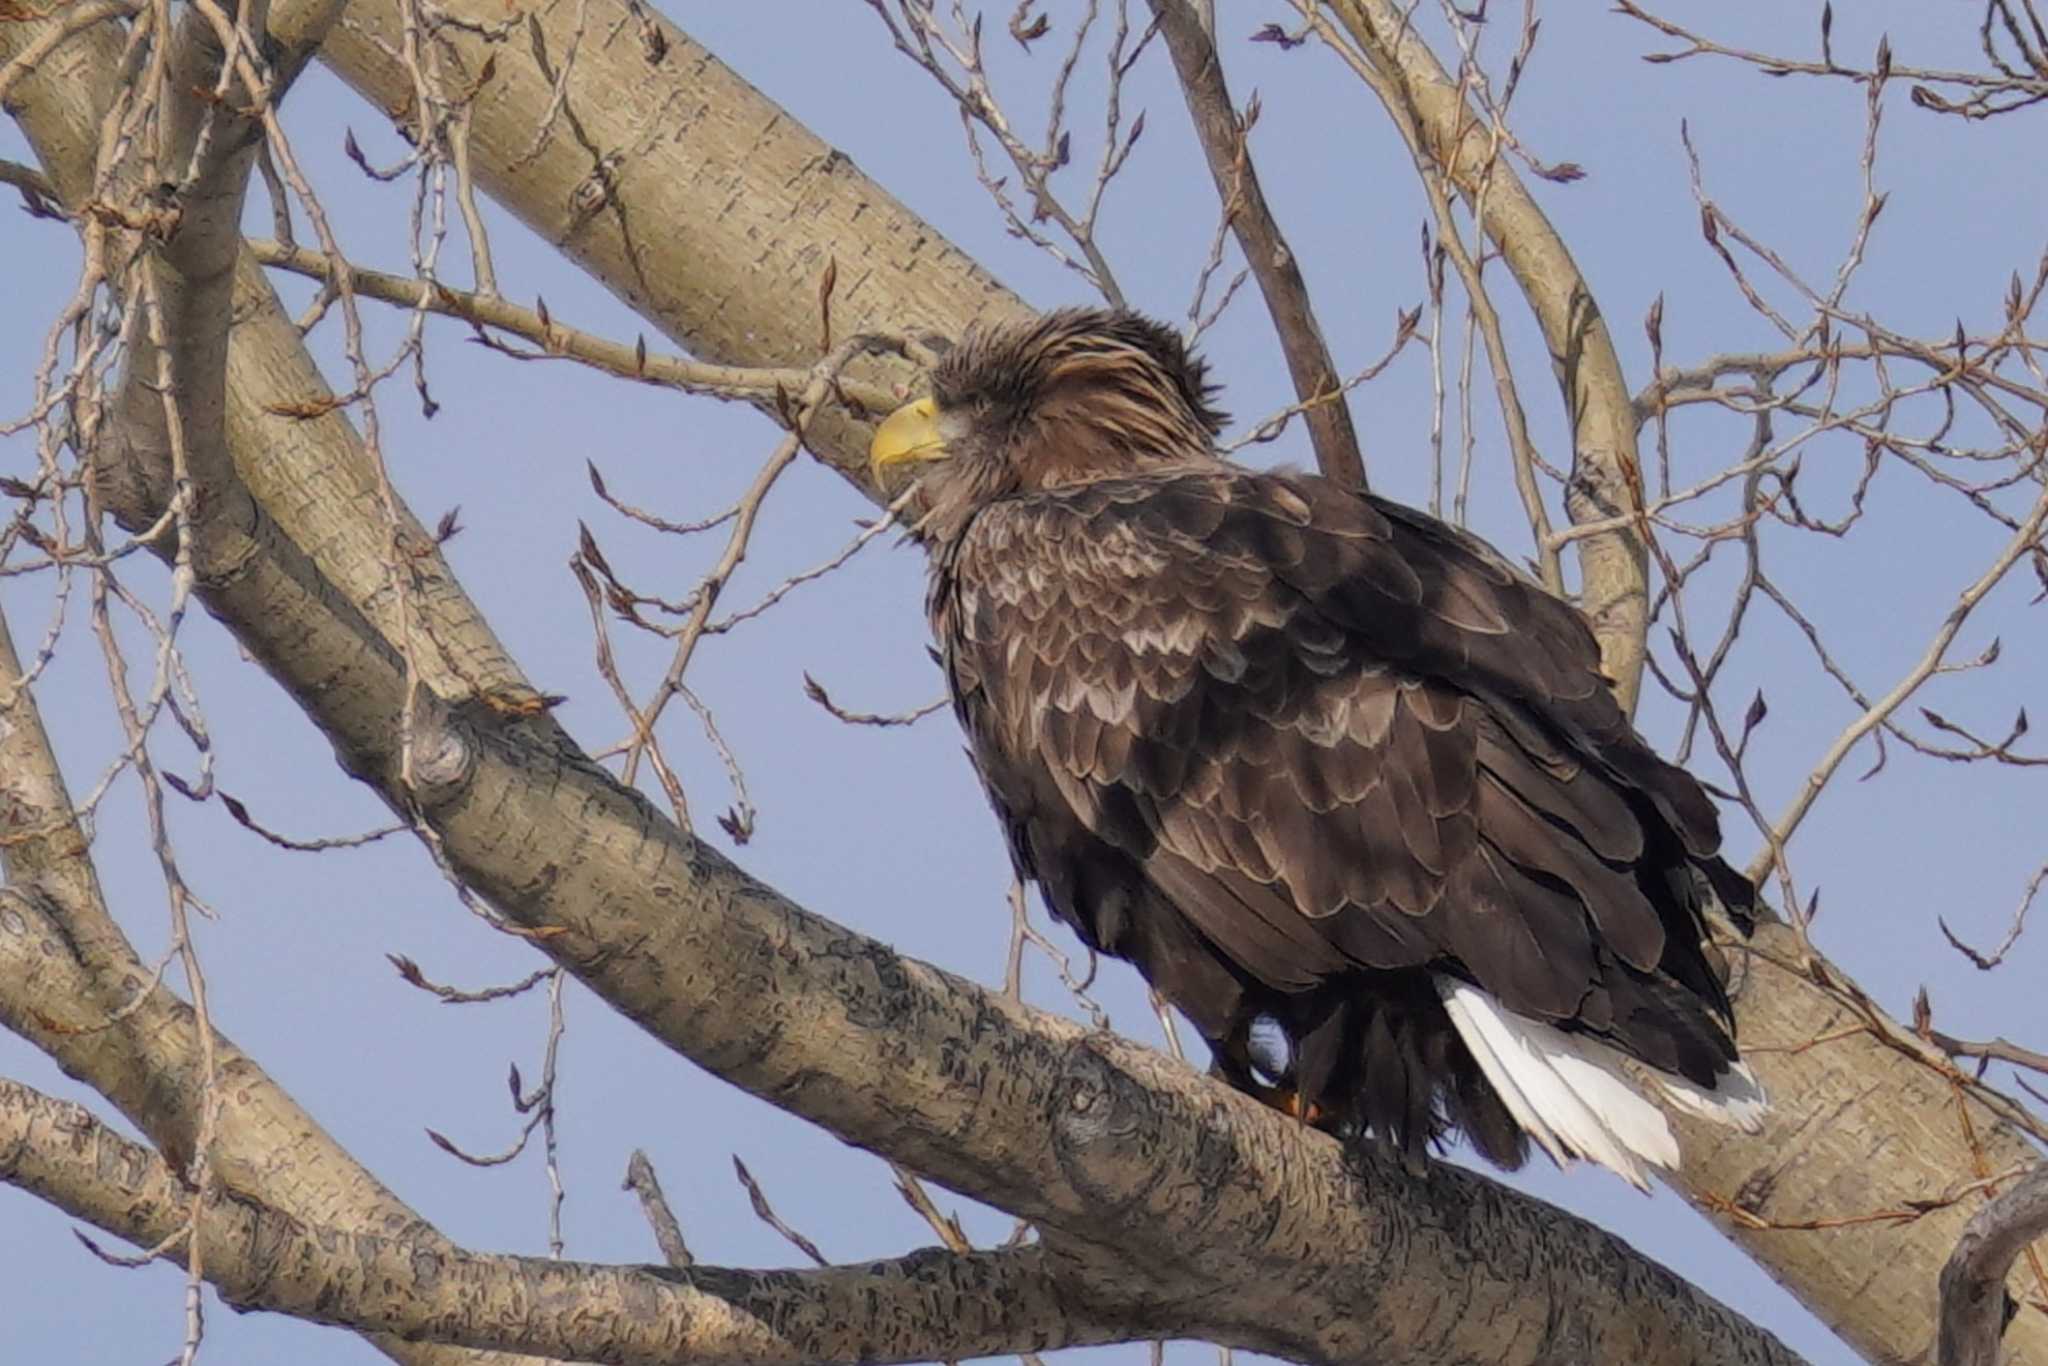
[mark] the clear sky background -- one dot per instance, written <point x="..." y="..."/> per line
<point x="886" y="830"/>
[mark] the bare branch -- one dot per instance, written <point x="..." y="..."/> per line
<point x="410" y="972"/>
<point x="1986" y="961"/>
<point x="2003" y="90"/>
<point x="668" y="1234"/>
<point x="954" y="60"/>
<point x="1606" y="480"/>
<point x="2021" y="544"/>
<point x="1994" y="1050"/>
<point x="815" y="690"/>
<point x="1225" y="137"/>
<point x="75" y="19"/>
<point x="767" y="1215"/>
<point x="557" y="340"/>
<point x="929" y="1304"/>
<point x="1974" y="1305"/>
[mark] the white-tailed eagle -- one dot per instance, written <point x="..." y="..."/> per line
<point x="1348" y="790"/>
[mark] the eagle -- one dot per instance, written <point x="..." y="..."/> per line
<point x="1346" y="787"/>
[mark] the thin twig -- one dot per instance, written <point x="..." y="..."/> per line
<point x="668" y="1234"/>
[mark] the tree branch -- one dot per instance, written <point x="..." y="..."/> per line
<point x="537" y="326"/>
<point x="1606" y="479"/>
<point x="1974" y="1305"/>
<point x="1224" y="136"/>
<point x="930" y="1304"/>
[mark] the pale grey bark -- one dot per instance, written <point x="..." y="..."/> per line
<point x="405" y="1283"/>
<point x="1974" y="1305"/>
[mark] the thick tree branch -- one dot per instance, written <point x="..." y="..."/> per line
<point x="929" y="1304"/>
<point x="1223" y="134"/>
<point x="975" y="1080"/>
<point x="1606" y="479"/>
<point x="1974" y="1305"/>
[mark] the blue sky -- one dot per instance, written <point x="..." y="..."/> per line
<point x="886" y="830"/>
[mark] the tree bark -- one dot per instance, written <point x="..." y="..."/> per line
<point x="928" y="1304"/>
<point x="1974" y="1305"/>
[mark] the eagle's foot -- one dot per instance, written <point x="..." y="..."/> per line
<point x="1274" y="1095"/>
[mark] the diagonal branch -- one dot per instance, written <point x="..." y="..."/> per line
<point x="1224" y="135"/>
<point x="1606" y="479"/>
<point x="930" y="1304"/>
<point x="1974" y="1306"/>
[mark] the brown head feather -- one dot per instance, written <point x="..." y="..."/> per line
<point x="1009" y="369"/>
<point x="1063" y="399"/>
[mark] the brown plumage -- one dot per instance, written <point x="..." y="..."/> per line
<point x="1318" y="764"/>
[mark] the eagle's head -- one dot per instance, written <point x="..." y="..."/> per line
<point x="1041" y="403"/>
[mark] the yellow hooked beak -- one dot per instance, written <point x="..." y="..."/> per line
<point x="908" y="435"/>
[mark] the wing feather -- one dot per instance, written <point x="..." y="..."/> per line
<point x="1615" y="899"/>
<point x="1314" y="735"/>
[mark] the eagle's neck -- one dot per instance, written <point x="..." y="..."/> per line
<point x="943" y="530"/>
<point x="950" y="496"/>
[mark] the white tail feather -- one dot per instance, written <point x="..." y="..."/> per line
<point x="1578" y="1097"/>
<point x="1737" y="1099"/>
<point x="1525" y="1059"/>
<point x="1477" y="1039"/>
